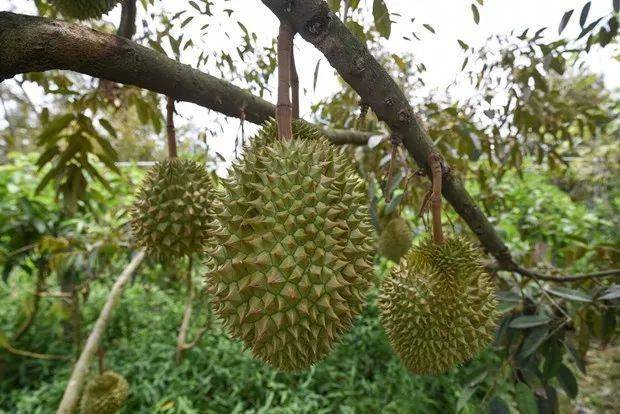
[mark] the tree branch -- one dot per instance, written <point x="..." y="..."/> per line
<point x="564" y="279"/>
<point x="127" y="25"/>
<point x="78" y="376"/>
<point x="284" y="109"/>
<point x="35" y="44"/>
<point x="313" y="20"/>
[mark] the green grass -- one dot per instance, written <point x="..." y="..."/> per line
<point x="362" y="375"/>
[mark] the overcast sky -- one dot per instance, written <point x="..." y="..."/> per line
<point x="440" y="53"/>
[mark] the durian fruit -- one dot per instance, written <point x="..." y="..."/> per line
<point x="291" y="260"/>
<point x="84" y="9"/>
<point x="171" y="213"/>
<point x="438" y="306"/>
<point x="105" y="394"/>
<point x="395" y="239"/>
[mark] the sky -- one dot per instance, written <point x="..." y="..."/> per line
<point x="440" y="53"/>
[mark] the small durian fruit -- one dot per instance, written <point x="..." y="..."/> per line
<point x="438" y="306"/>
<point x="84" y="9"/>
<point x="395" y="239"/>
<point x="171" y="212"/>
<point x="105" y="394"/>
<point x="291" y="261"/>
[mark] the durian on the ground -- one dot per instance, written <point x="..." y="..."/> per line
<point x="291" y="260"/>
<point x="395" y="239"/>
<point x="84" y="9"/>
<point x="171" y="213"/>
<point x="438" y="306"/>
<point x="104" y="394"/>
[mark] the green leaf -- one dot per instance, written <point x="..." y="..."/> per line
<point x="108" y="127"/>
<point x="526" y="401"/>
<point x="463" y="45"/>
<point x="381" y="16"/>
<point x="611" y="293"/>
<point x="334" y="5"/>
<point x="533" y="341"/>
<point x="55" y="127"/>
<point x="570" y="294"/>
<point x="567" y="381"/>
<point x="498" y="406"/>
<point x="529" y="321"/>
<point x="429" y="28"/>
<point x="400" y="62"/>
<point x="464" y="398"/>
<point x="584" y="14"/>
<point x="565" y="20"/>
<point x="394" y="202"/>
<point x="315" y="77"/>
<point x="357" y="29"/>
<point x="475" y="13"/>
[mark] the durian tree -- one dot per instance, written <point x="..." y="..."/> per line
<point x="288" y="236"/>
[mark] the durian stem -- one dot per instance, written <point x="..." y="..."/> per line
<point x="390" y="175"/>
<point x="284" y="109"/>
<point x="434" y="161"/>
<point x="294" y="84"/>
<point x="187" y="314"/>
<point x="127" y="25"/>
<point x="170" y="131"/>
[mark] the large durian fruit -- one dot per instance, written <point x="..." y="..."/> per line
<point x="171" y="213"/>
<point x="105" y="394"/>
<point x="291" y="262"/>
<point x="84" y="9"/>
<point x="438" y="306"/>
<point x="395" y="239"/>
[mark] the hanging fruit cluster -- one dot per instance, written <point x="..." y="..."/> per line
<point x="289" y="247"/>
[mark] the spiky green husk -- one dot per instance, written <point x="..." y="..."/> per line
<point x="84" y="9"/>
<point x="105" y="394"/>
<point x="438" y="306"/>
<point x="171" y="214"/>
<point x="291" y="262"/>
<point x="395" y="239"/>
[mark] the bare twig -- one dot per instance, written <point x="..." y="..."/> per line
<point x="40" y="285"/>
<point x="187" y="314"/>
<point x="35" y="355"/>
<point x="78" y="376"/>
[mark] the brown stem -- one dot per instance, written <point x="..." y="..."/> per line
<point x="390" y="175"/>
<point x="294" y="85"/>
<point x="127" y="25"/>
<point x="567" y="278"/>
<point x="101" y="355"/>
<point x="434" y="162"/>
<point x="170" y="131"/>
<point x="39" y="287"/>
<point x="35" y="355"/>
<point x="284" y="110"/>
<point x="78" y="376"/>
<point x="187" y="315"/>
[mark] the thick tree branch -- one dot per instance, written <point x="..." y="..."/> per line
<point x="35" y="44"/>
<point x="313" y="20"/>
<point x="78" y="376"/>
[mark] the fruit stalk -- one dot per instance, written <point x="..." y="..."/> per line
<point x="170" y="131"/>
<point x="294" y="84"/>
<point x="434" y="161"/>
<point x="284" y="108"/>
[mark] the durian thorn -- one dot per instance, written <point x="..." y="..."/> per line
<point x="434" y="162"/>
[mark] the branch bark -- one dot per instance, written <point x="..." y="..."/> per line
<point x="78" y="376"/>
<point x="313" y="20"/>
<point x="36" y="44"/>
